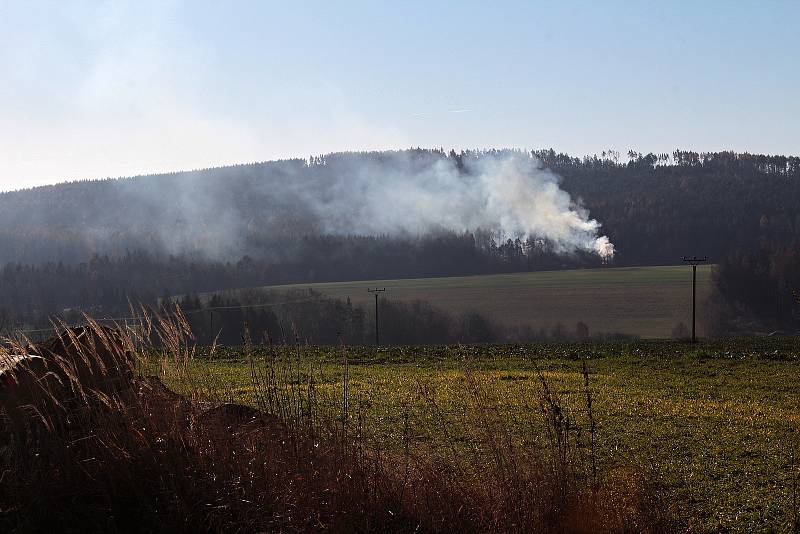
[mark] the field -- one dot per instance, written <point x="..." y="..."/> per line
<point x="642" y="301"/>
<point x="715" y="425"/>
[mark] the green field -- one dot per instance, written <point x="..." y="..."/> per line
<point x="716" y="425"/>
<point x="642" y="301"/>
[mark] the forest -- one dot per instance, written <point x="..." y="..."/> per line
<point x="758" y="289"/>
<point x="95" y="246"/>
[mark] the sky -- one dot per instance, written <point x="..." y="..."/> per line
<point x="104" y="89"/>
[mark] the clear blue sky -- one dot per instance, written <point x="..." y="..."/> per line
<point x="96" y="89"/>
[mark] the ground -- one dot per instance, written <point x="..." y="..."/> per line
<point x="642" y="301"/>
<point x="716" y="424"/>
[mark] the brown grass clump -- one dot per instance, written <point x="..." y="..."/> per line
<point x="130" y="455"/>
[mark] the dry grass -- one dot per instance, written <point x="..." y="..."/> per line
<point x="146" y="459"/>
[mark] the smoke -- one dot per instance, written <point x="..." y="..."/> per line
<point x="509" y="194"/>
<point x="266" y="209"/>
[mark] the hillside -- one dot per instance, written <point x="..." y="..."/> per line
<point x="363" y="216"/>
<point x="654" y="208"/>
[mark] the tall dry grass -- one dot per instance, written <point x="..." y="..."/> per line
<point x="303" y="458"/>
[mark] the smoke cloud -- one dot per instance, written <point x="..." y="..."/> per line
<point x="510" y="195"/>
<point x="266" y="209"/>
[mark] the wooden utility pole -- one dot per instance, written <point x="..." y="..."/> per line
<point x="377" y="334"/>
<point x="694" y="261"/>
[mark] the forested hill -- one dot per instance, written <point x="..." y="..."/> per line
<point x="654" y="208"/>
<point x="659" y="208"/>
<point x="97" y="245"/>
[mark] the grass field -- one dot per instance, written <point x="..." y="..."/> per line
<point x="715" y="424"/>
<point x="643" y="301"/>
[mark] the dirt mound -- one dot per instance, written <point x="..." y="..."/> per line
<point x="207" y="421"/>
<point x="231" y="421"/>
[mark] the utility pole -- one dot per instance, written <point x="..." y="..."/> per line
<point x="694" y="261"/>
<point x="377" y="336"/>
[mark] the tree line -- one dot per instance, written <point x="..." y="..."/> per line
<point x="757" y="290"/>
<point x="105" y="286"/>
<point x="307" y="316"/>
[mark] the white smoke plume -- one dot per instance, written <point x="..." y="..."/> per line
<point x="508" y="194"/>
<point x="266" y="210"/>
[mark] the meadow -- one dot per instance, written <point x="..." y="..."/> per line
<point x="640" y="301"/>
<point x="714" y="426"/>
